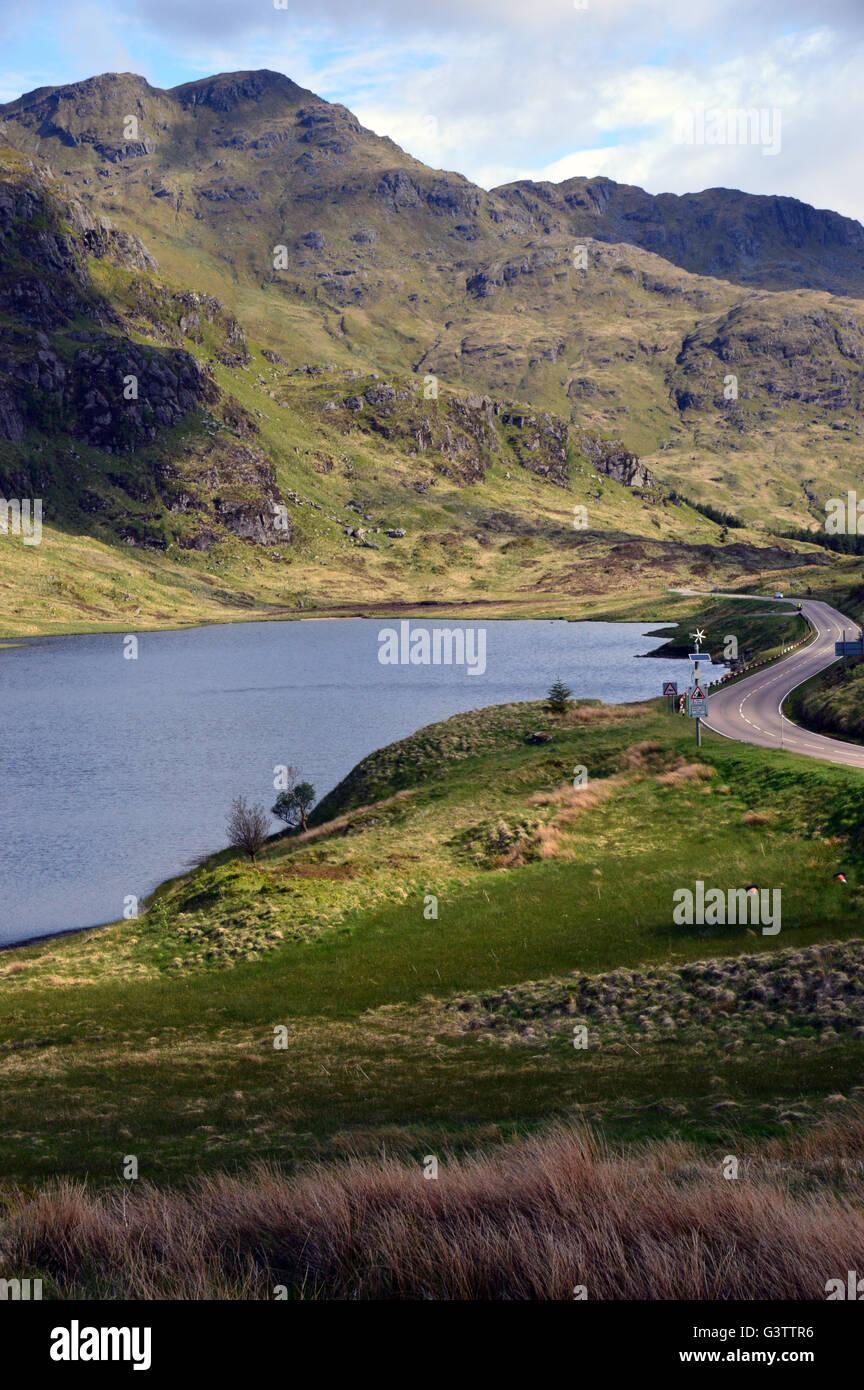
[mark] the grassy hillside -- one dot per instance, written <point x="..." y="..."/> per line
<point x="314" y="1006"/>
<point x="412" y="1030"/>
<point x="238" y="485"/>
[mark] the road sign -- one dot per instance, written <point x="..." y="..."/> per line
<point x="849" y="648"/>
<point x="697" y="702"/>
<point x="670" y="688"/>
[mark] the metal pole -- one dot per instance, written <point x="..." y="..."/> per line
<point x="698" y="732"/>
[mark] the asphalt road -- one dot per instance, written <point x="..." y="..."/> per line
<point x="749" y="710"/>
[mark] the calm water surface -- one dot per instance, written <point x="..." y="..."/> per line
<point x="115" y="772"/>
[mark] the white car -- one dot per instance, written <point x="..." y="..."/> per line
<point x="778" y="594"/>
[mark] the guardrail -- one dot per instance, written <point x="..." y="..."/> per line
<point x="766" y="661"/>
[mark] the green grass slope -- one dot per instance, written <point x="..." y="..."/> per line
<point x="397" y="1027"/>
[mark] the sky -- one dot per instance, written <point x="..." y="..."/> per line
<point x="642" y="91"/>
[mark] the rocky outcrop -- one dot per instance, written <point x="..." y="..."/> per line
<point x="540" y="442"/>
<point x="102" y="238"/>
<point x="610" y="457"/>
<point x="233" y="487"/>
<point x="123" y="395"/>
<point x="45" y="240"/>
<point x="485" y="282"/>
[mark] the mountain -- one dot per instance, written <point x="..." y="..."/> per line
<point x="322" y="328"/>
<point x="773" y="242"/>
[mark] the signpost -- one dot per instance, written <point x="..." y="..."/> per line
<point x="697" y="702"/>
<point x="670" y="690"/>
<point x="844" y="648"/>
<point x="697" y="699"/>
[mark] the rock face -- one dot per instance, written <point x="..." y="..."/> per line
<point x="123" y="395"/>
<point x="609" y="456"/>
<point x="460" y="430"/>
<point x="541" y="443"/>
<point x="469" y="433"/>
<point x="485" y="282"/>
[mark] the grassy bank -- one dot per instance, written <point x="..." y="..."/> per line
<point x="463" y="561"/>
<point x="760" y="630"/>
<point x="833" y="702"/>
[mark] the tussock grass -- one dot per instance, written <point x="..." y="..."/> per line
<point x="684" y="772"/>
<point x="588" y="712"/>
<point x="531" y="1222"/>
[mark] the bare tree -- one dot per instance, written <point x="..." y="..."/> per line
<point x="247" y="827"/>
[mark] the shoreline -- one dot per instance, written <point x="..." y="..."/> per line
<point x="562" y="608"/>
<point x="386" y="612"/>
<point x="54" y="935"/>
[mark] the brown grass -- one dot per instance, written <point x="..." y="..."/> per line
<point x="755" y="818"/>
<point x="530" y="1221"/>
<point x="601" y="714"/>
<point x="683" y="773"/>
<point x="573" y="801"/>
<point x="569" y="803"/>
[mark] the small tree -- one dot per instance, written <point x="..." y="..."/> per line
<point x="292" y="806"/>
<point x="247" y="827"/>
<point x="559" y="696"/>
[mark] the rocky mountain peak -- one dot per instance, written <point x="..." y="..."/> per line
<point x="229" y="90"/>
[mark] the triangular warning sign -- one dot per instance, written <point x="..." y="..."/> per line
<point x="670" y="688"/>
<point x="697" y="694"/>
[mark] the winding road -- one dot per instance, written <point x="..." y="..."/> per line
<point x="749" y="710"/>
